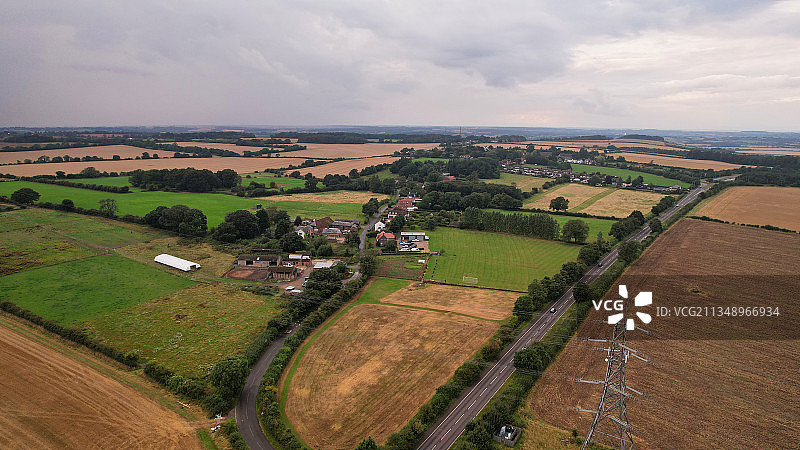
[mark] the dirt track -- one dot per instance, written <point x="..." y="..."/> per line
<point x="50" y="400"/>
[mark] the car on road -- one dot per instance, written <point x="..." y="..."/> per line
<point x="600" y="264"/>
<point x="552" y="310"/>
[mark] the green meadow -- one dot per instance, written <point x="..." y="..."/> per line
<point x="497" y="260"/>
<point x="214" y="206"/>
<point x="655" y="180"/>
<point x="74" y="291"/>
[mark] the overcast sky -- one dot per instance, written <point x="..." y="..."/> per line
<point x="715" y="65"/>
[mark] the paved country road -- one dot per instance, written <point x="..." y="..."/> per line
<point x="444" y="433"/>
<point x="245" y="410"/>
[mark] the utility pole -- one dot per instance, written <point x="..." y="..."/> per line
<point x="610" y="425"/>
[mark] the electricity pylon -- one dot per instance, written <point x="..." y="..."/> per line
<point x="610" y="424"/>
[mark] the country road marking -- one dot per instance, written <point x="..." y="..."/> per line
<point x="484" y="391"/>
<point x="494" y="379"/>
<point x="473" y="403"/>
<point x="448" y="430"/>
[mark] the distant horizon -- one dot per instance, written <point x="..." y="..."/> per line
<point x="449" y="128"/>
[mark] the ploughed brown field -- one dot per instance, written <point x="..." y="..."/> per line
<point x="370" y="371"/>
<point x="673" y="161"/>
<point x="241" y="165"/>
<point x="103" y="151"/>
<point x="344" y="167"/>
<point x="717" y="382"/>
<point x="756" y="205"/>
<point x="51" y="400"/>
<point x="323" y="150"/>
<point x="483" y="303"/>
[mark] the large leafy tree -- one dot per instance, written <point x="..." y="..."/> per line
<point x="26" y="196"/>
<point x="559" y="204"/>
<point x="575" y="230"/>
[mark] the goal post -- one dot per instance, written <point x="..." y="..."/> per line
<point x="469" y="280"/>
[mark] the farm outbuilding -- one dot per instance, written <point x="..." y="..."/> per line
<point x="178" y="263"/>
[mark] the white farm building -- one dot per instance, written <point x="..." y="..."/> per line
<point x="178" y="263"/>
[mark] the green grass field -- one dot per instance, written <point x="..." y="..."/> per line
<point x="26" y="248"/>
<point x="92" y="231"/>
<point x="381" y="287"/>
<point x="214" y="206"/>
<point x="105" y="181"/>
<point x="497" y="260"/>
<point x="651" y="179"/>
<point x="523" y="182"/>
<point x="431" y="159"/>
<point x="75" y="291"/>
<point x="189" y="330"/>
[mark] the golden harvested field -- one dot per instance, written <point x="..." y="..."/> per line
<point x="329" y="197"/>
<point x="673" y="161"/>
<point x="716" y="383"/>
<point x="242" y="165"/>
<point x="756" y="205"/>
<point x="369" y="372"/>
<point x="52" y="400"/>
<point x="576" y="193"/>
<point x="103" y="151"/>
<point x="483" y="303"/>
<point x="344" y="167"/>
<point x="622" y="202"/>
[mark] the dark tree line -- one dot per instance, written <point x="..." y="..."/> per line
<point x="189" y="180"/>
<point x="535" y="225"/>
<point x="623" y="227"/>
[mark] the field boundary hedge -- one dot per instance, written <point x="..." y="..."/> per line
<point x="75" y="335"/>
<point x="474" y="286"/>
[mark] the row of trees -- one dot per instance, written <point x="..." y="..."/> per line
<point x="91" y="186"/>
<point x="535" y="225"/>
<point x="190" y="180"/>
<point x="455" y="201"/>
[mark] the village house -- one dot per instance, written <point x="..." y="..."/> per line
<point x="383" y="237"/>
<point x="333" y="234"/>
<point x="304" y="231"/>
<point x="299" y="259"/>
<point x="346" y="225"/>
<point x="413" y="236"/>
<point x="379" y="226"/>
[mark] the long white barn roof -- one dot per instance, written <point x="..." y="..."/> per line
<point x="174" y="261"/>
